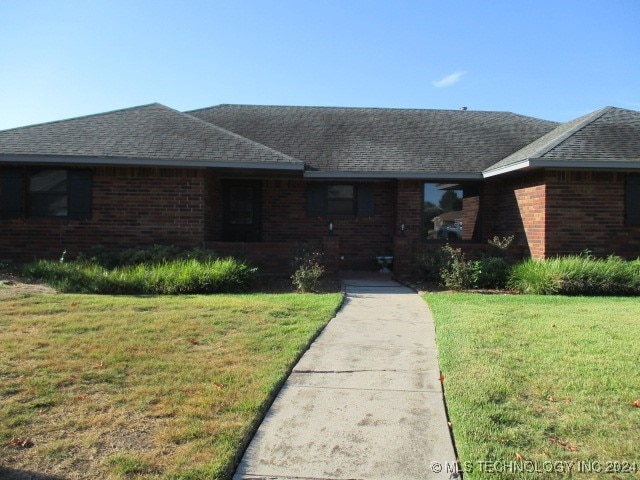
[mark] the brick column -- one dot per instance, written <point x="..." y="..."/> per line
<point x="409" y="205"/>
<point x="402" y="255"/>
<point x="331" y="251"/>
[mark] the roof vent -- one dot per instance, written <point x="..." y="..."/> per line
<point x="463" y="108"/>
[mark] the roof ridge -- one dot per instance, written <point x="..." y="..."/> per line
<point x="233" y="134"/>
<point x="80" y="117"/>
<point x="325" y="107"/>
<point x="586" y="120"/>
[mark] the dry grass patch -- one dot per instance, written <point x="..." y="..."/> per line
<point x="135" y="387"/>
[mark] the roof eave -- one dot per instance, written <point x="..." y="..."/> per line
<point x="531" y="163"/>
<point x="145" y="162"/>
<point x="522" y="164"/>
<point x="394" y="175"/>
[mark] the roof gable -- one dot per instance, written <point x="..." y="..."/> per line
<point x="608" y="137"/>
<point x="152" y="134"/>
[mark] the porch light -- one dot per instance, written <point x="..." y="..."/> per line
<point x="330" y="228"/>
<point x="402" y="227"/>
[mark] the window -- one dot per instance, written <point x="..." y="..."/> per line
<point x="45" y="192"/>
<point x="48" y="193"/>
<point x="632" y="199"/>
<point x="442" y="212"/>
<point x="241" y="210"/>
<point x="241" y="205"/>
<point x="340" y="200"/>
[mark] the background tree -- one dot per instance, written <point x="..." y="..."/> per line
<point x="450" y="201"/>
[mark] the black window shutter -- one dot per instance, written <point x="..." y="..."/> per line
<point x="365" y="200"/>
<point x="79" y="193"/>
<point x="11" y="192"/>
<point x="316" y="200"/>
<point x="632" y="201"/>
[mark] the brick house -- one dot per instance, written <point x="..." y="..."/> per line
<point x="256" y="181"/>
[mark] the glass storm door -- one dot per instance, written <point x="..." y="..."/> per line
<point x="241" y="215"/>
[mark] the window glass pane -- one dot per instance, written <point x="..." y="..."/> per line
<point x="340" y="207"/>
<point x="632" y="199"/>
<point x="340" y="200"/>
<point x="48" y="205"/>
<point x="241" y="206"/>
<point x="442" y="212"/>
<point x="340" y="192"/>
<point x="48" y="181"/>
<point x="48" y="193"/>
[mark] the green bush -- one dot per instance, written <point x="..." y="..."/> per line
<point x="307" y="270"/>
<point x="429" y="263"/>
<point x="493" y="272"/>
<point x="577" y="275"/>
<point x="169" y="277"/>
<point x="500" y="245"/>
<point x="459" y="273"/>
<point x="154" y="254"/>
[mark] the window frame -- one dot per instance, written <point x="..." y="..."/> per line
<point x="33" y="197"/>
<point x="447" y="230"/>
<point x="632" y="200"/>
<point x="16" y="197"/>
<point x="336" y="203"/>
<point x="362" y="200"/>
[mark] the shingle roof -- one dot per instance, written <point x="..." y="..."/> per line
<point x="333" y="141"/>
<point x="149" y="134"/>
<point x="605" y="136"/>
<point x="330" y="139"/>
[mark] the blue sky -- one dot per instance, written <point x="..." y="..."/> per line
<point x="551" y="59"/>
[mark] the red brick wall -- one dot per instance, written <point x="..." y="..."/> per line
<point x="585" y="210"/>
<point x="131" y="207"/>
<point x="516" y="206"/>
<point x="135" y="207"/>
<point x="561" y="212"/>
<point x="285" y="219"/>
<point x="410" y="204"/>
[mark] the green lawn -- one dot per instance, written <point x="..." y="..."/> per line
<point x="533" y="380"/>
<point x="144" y="387"/>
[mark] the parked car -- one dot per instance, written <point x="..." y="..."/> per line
<point x="450" y="232"/>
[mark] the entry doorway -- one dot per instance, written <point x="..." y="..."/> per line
<point x="241" y="213"/>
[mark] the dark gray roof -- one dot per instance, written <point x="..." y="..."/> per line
<point x="330" y="139"/>
<point x="150" y="134"/>
<point x="607" y="137"/>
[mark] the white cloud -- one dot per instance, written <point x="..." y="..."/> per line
<point x="449" y="80"/>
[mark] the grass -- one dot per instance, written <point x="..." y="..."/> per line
<point x="540" y="379"/>
<point x="133" y="387"/>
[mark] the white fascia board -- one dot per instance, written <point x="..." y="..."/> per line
<point x="507" y="168"/>
<point x="146" y="162"/>
<point x="568" y="164"/>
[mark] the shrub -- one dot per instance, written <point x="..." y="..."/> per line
<point x="577" y="275"/>
<point x="501" y="244"/>
<point x="429" y="263"/>
<point x="170" y="277"/>
<point x="493" y="272"/>
<point x="459" y="273"/>
<point x="307" y="270"/>
<point x="154" y="254"/>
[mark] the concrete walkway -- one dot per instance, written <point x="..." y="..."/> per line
<point x="364" y="402"/>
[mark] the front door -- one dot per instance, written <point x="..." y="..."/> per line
<point x="241" y="215"/>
